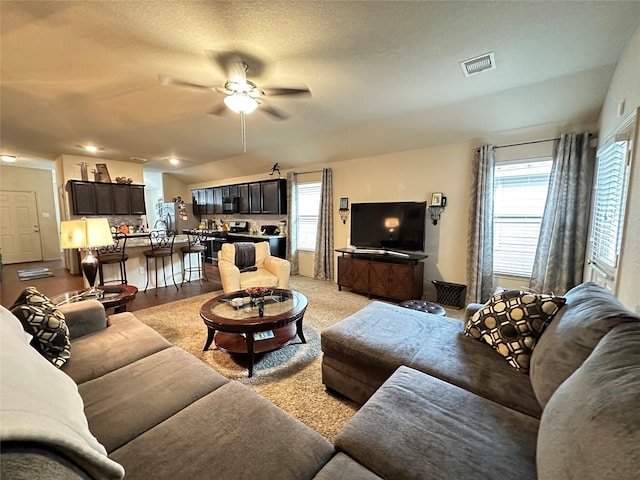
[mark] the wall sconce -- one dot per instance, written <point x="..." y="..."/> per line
<point x="438" y="202"/>
<point x="344" y="209"/>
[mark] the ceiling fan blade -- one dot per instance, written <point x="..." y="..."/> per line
<point x="272" y="91"/>
<point x="273" y="112"/>
<point x="170" y="81"/>
<point x="220" y="110"/>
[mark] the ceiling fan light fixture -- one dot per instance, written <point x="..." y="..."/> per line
<point x="241" y="102"/>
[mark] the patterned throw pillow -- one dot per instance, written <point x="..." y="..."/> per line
<point x="41" y="319"/>
<point x="512" y="321"/>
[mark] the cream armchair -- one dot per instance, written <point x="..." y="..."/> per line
<point x="271" y="271"/>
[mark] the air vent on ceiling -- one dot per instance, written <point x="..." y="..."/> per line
<point x="478" y="64"/>
<point x="138" y="159"/>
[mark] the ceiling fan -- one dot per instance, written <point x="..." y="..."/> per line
<point x="241" y="95"/>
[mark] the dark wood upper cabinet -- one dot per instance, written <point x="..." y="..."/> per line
<point x="136" y="200"/>
<point x="255" y="198"/>
<point x="274" y="197"/>
<point x="121" y="202"/>
<point x="97" y="198"/>
<point x="82" y="198"/>
<point x="243" y="200"/>
<point x="217" y="200"/>
<point x="199" y="197"/>
<point x="104" y="198"/>
<point x="266" y="197"/>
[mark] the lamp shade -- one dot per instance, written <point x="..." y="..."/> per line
<point x="241" y="102"/>
<point x="85" y="233"/>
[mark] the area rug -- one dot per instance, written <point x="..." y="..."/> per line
<point x="289" y="377"/>
<point x="34" y="273"/>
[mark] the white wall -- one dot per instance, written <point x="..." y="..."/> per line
<point x="40" y="181"/>
<point x="625" y="87"/>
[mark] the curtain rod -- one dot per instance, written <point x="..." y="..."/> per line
<point x="310" y="171"/>
<point x="527" y="143"/>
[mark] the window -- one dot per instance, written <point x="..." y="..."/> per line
<point x="520" y="194"/>
<point x="608" y="205"/>
<point x="308" y="211"/>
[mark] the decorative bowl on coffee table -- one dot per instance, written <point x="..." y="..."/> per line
<point x="256" y="293"/>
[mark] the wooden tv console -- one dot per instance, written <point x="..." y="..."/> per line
<point x="384" y="275"/>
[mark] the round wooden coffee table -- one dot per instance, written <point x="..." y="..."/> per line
<point x="246" y="326"/>
<point x="114" y="297"/>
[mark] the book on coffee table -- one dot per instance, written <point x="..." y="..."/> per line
<point x="263" y="335"/>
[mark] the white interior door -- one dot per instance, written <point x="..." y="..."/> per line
<point x="19" y="227"/>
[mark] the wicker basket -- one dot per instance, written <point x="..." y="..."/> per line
<point x="452" y="294"/>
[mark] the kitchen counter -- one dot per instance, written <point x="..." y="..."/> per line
<point x="136" y="265"/>
<point x="256" y="235"/>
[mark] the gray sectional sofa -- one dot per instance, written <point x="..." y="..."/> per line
<point x="157" y="411"/>
<point x="437" y="404"/>
<point x="441" y="405"/>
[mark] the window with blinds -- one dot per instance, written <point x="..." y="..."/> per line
<point x="520" y="194"/>
<point x="308" y="211"/>
<point x="608" y="206"/>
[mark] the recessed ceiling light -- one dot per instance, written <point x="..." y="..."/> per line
<point x="91" y="148"/>
<point x="174" y="161"/>
<point x="8" y="158"/>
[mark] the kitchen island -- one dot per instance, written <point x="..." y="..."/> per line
<point x="215" y="239"/>
<point x="136" y="267"/>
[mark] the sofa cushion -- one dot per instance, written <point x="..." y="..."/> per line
<point x="41" y="319"/>
<point x="590" y="428"/>
<point x="47" y="413"/>
<point x="230" y="433"/>
<point x="126" y="339"/>
<point x="590" y="312"/>
<point x="172" y="378"/>
<point x="343" y="466"/>
<point x="417" y="426"/>
<point x="371" y="344"/>
<point x="511" y="322"/>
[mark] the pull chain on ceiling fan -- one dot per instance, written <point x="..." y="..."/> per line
<point x="242" y="95"/>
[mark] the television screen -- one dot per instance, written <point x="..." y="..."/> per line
<point x="389" y="225"/>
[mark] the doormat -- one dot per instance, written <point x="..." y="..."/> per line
<point x="34" y="273"/>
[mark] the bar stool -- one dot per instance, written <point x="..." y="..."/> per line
<point x="112" y="254"/>
<point x="197" y="239"/>
<point x="161" y="242"/>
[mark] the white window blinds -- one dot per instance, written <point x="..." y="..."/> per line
<point x="520" y="194"/>
<point x="609" y="199"/>
<point x="308" y="211"/>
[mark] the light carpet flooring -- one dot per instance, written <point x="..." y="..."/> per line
<point x="289" y="377"/>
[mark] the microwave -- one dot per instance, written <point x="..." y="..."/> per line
<point x="230" y="205"/>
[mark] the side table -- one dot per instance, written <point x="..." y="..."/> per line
<point x="115" y="297"/>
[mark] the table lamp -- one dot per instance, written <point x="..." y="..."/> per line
<point x="87" y="233"/>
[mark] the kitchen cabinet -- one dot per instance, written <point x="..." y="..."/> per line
<point x="216" y="207"/>
<point x="199" y="201"/>
<point x="277" y="244"/>
<point x="103" y="194"/>
<point x="121" y="199"/>
<point x="230" y="191"/>
<point x="274" y="196"/>
<point x="82" y="198"/>
<point x="99" y="198"/>
<point x="265" y="197"/>
<point x="255" y="198"/>
<point x="243" y="198"/>
<point x="136" y="200"/>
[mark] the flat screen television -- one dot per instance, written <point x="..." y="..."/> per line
<point x="389" y="225"/>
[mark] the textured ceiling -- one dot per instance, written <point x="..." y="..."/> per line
<point x="384" y="76"/>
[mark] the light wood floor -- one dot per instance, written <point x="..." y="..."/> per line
<point x="63" y="281"/>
